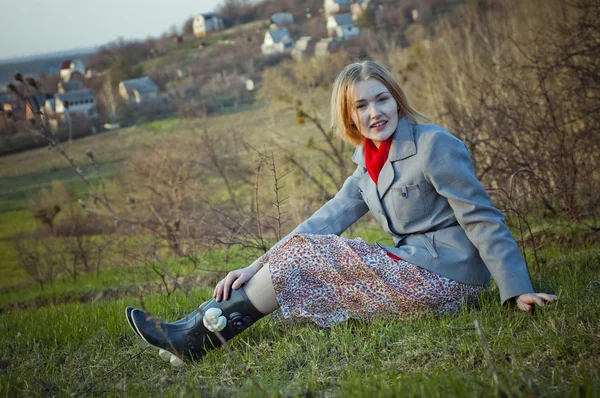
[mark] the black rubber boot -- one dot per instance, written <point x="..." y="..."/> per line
<point x="130" y="309"/>
<point x="191" y="337"/>
<point x="165" y="355"/>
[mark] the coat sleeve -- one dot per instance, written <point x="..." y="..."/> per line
<point x="448" y="168"/>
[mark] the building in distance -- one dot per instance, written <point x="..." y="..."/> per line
<point x="205" y="23"/>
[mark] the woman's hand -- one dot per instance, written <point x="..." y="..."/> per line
<point x="234" y="280"/>
<point x="526" y="302"/>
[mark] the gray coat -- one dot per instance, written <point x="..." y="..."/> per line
<point x="437" y="212"/>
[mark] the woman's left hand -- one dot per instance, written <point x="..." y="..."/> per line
<point x="526" y="302"/>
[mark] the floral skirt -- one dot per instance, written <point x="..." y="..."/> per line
<point x="328" y="279"/>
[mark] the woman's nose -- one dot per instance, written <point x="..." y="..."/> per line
<point x="375" y="113"/>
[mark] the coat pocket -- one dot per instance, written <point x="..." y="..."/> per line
<point x="408" y="202"/>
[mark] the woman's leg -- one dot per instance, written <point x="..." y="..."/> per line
<point x="260" y="291"/>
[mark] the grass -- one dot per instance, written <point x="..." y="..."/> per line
<point x="88" y="349"/>
<point x="118" y="280"/>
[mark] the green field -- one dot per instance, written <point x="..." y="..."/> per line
<point x="89" y="350"/>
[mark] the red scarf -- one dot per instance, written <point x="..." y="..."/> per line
<point x="375" y="157"/>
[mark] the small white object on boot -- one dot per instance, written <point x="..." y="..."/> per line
<point x="175" y="361"/>
<point x="213" y="320"/>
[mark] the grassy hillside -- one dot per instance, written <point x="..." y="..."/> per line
<point x="89" y="350"/>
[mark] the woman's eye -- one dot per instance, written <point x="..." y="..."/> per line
<point x="383" y="99"/>
<point x="360" y="106"/>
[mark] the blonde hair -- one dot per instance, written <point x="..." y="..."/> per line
<point x="342" y="104"/>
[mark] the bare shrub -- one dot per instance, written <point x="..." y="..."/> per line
<point x="37" y="259"/>
<point x="518" y="82"/>
<point x="303" y="87"/>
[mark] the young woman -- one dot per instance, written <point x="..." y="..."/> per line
<point x="418" y="181"/>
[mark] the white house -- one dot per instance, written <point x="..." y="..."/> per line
<point x="205" y="23"/>
<point x="303" y="48"/>
<point x="138" y="91"/>
<point x="69" y="86"/>
<point x="341" y="27"/>
<point x="81" y="102"/>
<point x="277" y="41"/>
<point x="324" y="47"/>
<point x="332" y="7"/>
<point x="69" y="67"/>
<point x="282" y="19"/>
<point x="358" y="8"/>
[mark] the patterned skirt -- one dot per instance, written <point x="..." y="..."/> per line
<point x="328" y="279"/>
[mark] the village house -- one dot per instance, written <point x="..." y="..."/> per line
<point x="69" y="86"/>
<point x="324" y="47"/>
<point x="303" y="48"/>
<point x="10" y="102"/>
<point x="138" y="91"/>
<point x="205" y="23"/>
<point x="281" y="19"/>
<point x="35" y="103"/>
<point x="277" y="41"/>
<point x="90" y="73"/>
<point x="341" y="27"/>
<point x="358" y="8"/>
<point x="80" y="102"/>
<point x="70" y="67"/>
<point x="333" y="7"/>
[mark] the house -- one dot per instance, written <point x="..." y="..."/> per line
<point x="80" y="102"/>
<point x="324" y="47"/>
<point x="69" y="67"/>
<point x="90" y="73"/>
<point x="333" y="7"/>
<point x="49" y="107"/>
<point x="303" y="48"/>
<point x="282" y="19"/>
<point x="69" y="86"/>
<point x="205" y="23"/>
<point x="35" y="103"/>
<point x="277" y="41"/>
<point x="138" y="91"/>
<point x="358" y="8"/>
<point x="341" y="27"/>
<point x="10" y="101"/>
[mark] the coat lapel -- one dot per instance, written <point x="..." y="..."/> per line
<point x="386" y="178"/>
<point x="371" y="197"/>
<point x="403" y="146"/>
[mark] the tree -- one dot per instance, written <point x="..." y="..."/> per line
<point x="187" y="30"/>
<point x="124" y="66"/>
<point x="236" y="12"/>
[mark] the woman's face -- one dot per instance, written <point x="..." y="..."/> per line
<point x="375" y="111"/>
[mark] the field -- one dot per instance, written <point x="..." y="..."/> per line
<point x="71" y="338"/>
<point x="89" y="350"/>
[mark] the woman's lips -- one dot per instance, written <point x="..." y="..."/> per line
<point x="379" y="125"/>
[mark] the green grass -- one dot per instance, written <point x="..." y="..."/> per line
<point x="117" y="280"/>
<point x="89" y="349"/>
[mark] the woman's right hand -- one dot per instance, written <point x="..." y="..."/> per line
<point x="234" y="280"/>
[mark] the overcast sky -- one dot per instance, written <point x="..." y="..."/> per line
<point x="30" y="27"/>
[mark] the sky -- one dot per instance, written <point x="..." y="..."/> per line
<point x="29" y="27"/>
